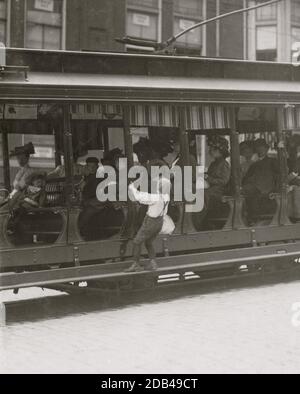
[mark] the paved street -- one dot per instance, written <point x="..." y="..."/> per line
<point x="238" y="331"/>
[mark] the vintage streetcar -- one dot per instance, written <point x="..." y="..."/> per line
<point x="73" y="105"/>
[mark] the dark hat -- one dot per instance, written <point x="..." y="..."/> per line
<point x="36" y="175"/>
<point x="27" y="149"/>
<point x="93" y="160"/>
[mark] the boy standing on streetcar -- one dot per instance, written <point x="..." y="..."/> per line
<point x="158" y="204"/>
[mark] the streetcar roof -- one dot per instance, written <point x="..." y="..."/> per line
<point x="149" y="64"/>
<point x="60" y="75"/>
<point x="52" y="86"/>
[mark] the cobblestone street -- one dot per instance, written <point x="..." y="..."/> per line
<point x="239" y="331"/>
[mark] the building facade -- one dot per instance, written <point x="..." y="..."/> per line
<point x="93" y="25"/>
<point x="273" y="32"/>
<point x="269" y="33"/>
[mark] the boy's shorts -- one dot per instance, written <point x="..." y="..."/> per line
<point x="150" y="229"/>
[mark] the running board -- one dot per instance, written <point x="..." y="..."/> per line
<point x="278" y="254"/>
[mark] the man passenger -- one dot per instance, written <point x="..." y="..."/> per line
<point x="90" y="181"/>
<point x="91" y="205"/>
<point x="248" y="156"/>
<point x="261" y="179"/>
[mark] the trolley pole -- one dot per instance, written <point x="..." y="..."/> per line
<point x="161" y="46"/>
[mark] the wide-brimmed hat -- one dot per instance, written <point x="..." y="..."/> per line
<point x="36" y="175"/>
<point x="27" y="149"/>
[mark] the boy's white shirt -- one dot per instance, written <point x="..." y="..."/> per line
<point x="157" y="203"/>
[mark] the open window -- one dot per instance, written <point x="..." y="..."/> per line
<point x="35" y="212"/>
<point x="97" y="141"/>
<point x="210" y="147"/>
<point x="260" y="164"/>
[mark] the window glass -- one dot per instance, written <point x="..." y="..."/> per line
<point x="266" y="37"/>
<point x="296" y="11"/>
<point x="267" y="13"/>
<point x="142" y="25"/>
<point x="187" y="14"/>
<point x="266" y="45"/>
<point x="142" y="19"/>
<point x="44" y="24"/>
<point x="3" y="17"/>
<point x="143" y="3"/>
<point x="190" y="8"/>
<point x="193" y="38"/>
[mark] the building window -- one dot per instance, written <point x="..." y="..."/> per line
<point x="295" y="18"/>
<point x="295" y="11"/>
<point x="266" y="33"/>
<point x="44" y="24"/>
<point x="143" y="18"/>
<point x="187" y="14"/>
<point x="3" y="21"/>
<point x="266" y="46"/>
<point x="266" y="13"/>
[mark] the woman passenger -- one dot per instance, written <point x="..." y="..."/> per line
<point x="22" y="155"/>
<point x="219" y="172"/>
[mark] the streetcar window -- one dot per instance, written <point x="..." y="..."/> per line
<point x="211" y="150"/>
<point x="98" y="140"/>
<point x="293" y="162"/>
<point x="28" y="153"/>
<point x="259" y="164"/>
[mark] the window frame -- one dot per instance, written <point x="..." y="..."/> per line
<point x="7" y="22"/>
<point x="142" y="9"/>
<point x="196" y="19"/>
<point x="294" y="25"/>
<point x="261" y="23"/>
<point x="63" y="27"/>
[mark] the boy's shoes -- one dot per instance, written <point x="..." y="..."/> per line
<point x="135" y="268"/>
<point x="151" y="266"/>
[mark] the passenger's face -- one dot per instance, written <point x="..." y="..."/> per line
<point x="247" y="153"/>
<point x="92" y="168"/>
<point x="214" y="153"/>
<point x="262" y="151"/>
<point x="177" y="148"/>
<point x="38" y="183"/>
<point x="22" y="159"/>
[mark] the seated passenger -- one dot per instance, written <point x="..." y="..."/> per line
<point x="293" y="149"/>
<point x="22" y="155"/>
<point x="219" y="172"/>
<point x="175" y="157"/>
<point x="147" y="153"/>
<point x="60" y="171"/>
<point x="111" y="158"/>
<point x="261" y="180"/>
<point x="34" y="194"/>
<point x="216" y="181"/>
<point x="90" y="181"/>
<point x="92" y="207"/>
<point x="248" y="157"/>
